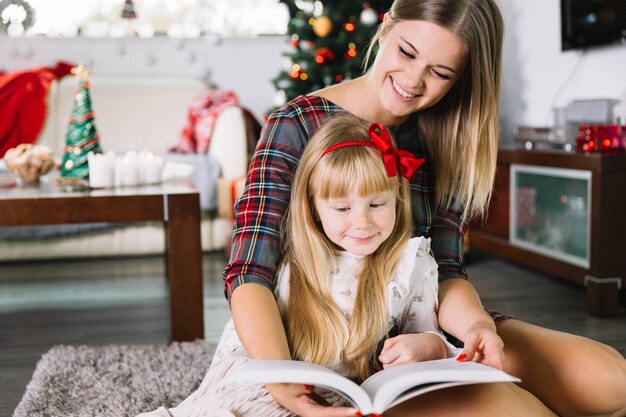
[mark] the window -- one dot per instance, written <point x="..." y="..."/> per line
<point x="175" y="18"/>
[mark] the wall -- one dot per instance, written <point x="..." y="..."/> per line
<point x="243" y="65"/>
<point x="538" y="76"/>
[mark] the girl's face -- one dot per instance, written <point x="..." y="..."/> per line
<point x="358" y="224"/>
<point x="417" y="63"/>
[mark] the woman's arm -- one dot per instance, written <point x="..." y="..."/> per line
<point x="260" y="210"/>
<point x="260" y="329"/>
<point x="462" y="315"/>
<point x="460" y="311"/>
<point x="258" y="323"/>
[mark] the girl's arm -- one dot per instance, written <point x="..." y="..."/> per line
<point x="412" y="347"/>
<point x="420" y="336"/>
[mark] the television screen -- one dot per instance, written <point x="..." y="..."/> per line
<point x="588" y="23"/>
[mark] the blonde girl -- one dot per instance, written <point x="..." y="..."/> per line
<point x="348" y="199"/>
<point x="356" y="292"/>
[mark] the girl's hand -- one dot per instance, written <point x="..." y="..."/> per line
<point x="413" y="347"/>
<point x="302" y="400"/>
<point x="482" y="344"/>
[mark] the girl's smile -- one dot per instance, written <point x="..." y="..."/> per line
<point x="358" y="224"/>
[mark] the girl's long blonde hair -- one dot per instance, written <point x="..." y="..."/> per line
<point x="317" y="330"/>
<point x="462" y="130"/>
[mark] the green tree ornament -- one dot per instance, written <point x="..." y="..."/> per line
<point x="82" y="136"/>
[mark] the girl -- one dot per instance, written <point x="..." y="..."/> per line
<point x="351" y="277"/>
<point x="434" y="80"/>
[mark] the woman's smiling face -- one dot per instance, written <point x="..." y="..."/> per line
<point x="417" y="63"/>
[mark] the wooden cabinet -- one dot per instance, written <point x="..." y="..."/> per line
<point x="563" y="214"/>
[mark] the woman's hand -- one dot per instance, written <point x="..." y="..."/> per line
<point x="414" y="347"/>
<point x="302" y="400"/>
<point x="462" y="315"/>
<point x="482" y="344"/>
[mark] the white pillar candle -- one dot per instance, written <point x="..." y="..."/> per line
<point x="101" y="170"/>
<point x="141" y="165"/>
<point x="118" y="170"/>
<point x="129" y="174"/>
<point x="153" y="169"/>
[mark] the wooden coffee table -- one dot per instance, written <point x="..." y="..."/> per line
<point x="175" y="203"/>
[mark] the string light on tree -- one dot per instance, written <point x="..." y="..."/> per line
<point x="351" y="52"/>
<point x="295" y="71"/>
<point x="349" y="26"/>
<point x="306" y="45"/>
<point x="324" y="54"/>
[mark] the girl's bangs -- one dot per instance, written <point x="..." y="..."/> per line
<point x="352" y="169"/>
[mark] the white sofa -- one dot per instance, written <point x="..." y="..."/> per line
<point x="136" y="113"/>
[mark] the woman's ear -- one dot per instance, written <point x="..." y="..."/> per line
<point x="387" y="22"/>
<point x="386" y="18"/>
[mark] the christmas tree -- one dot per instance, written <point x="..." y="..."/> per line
<point x="329" y="40"/>
<point x="81" y="137"/>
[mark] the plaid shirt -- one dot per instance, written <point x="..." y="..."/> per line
<point x="260" y="210"/>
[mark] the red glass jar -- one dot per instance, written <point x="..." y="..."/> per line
<point x="601" y="138"/>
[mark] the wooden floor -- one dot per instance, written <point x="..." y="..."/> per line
<point x="124" y="301"/>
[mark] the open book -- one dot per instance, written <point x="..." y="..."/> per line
<point x="382" y="390"/>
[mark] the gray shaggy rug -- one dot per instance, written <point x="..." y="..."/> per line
<point x="114" y="380"/>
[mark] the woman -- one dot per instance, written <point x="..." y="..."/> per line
<point x="435" y="83"/>
<point x="351" y="271"/>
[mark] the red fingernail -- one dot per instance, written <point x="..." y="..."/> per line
<point x="307" y="387"/>
<point x="461" y="357"/>
<point x="358" y="414"/>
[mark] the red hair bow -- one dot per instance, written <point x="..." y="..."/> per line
<point x="393" y="158"/>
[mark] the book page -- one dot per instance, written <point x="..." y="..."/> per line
<point x="386" y="386"/>
<point x="298" y="372"/>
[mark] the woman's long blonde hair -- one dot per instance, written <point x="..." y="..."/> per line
<point x="462" y="130"/>
<point x="317" y="330"/>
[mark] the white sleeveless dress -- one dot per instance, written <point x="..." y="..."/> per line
<point x="412" y="300"/>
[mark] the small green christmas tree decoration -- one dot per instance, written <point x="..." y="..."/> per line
<point x="81" y="137"/>
<point x="329" y="40"/>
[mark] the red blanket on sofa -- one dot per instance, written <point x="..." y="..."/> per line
<point x="23" y="106"/>
<point x="202" y="115"/>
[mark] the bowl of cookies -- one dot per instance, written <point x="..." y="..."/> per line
<point x="29" y="162"/>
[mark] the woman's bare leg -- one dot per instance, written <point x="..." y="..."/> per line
<point x="572" y="375"/>
<point x="481" y="400"/>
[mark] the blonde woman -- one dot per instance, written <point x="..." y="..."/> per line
<point x="434" y="81"/>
